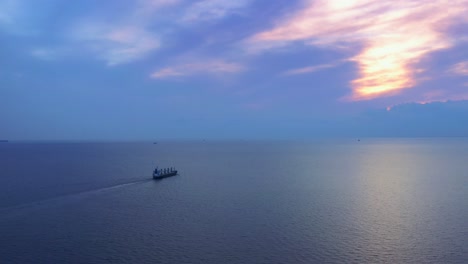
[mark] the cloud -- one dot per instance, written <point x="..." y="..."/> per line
<point x="15" y="16"/>
<point x="186" y="69"/>
<point x="460" y="68"/>
<point x="167" y="73"/>
<point x="45" y="53"/>
<point x="117" y="45"/>
<point x="157" y="4"/>
<point x="213" y="10"/>
<point x="138" y="32"/>
<point x="7" y="9"/>
<point x="130" y="32"/>
<point x="146" y="10"/>
<point x="394" y="37"/>
<point x="125" y="39"/>
<point x="419" y="119"/>
<point x="310" y="69"/>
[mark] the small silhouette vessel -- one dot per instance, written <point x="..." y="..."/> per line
<point x="164" y="173"/>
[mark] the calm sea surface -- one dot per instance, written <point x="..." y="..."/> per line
<point x="332" y="201"/>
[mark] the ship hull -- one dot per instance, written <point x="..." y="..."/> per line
<point x="162" y="176"/>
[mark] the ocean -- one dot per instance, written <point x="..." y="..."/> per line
<point x="322" y="201"/>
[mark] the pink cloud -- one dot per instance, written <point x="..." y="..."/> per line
<point x="395" y="36"/>
<point x="214" y="66"/>
<point x="460" y="68"/>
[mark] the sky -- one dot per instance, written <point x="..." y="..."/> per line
<point x="224" y="69"/>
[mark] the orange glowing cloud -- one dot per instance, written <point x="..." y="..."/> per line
<point x="395" y="36"/>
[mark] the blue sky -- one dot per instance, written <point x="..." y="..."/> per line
<point x="151" y="69"/>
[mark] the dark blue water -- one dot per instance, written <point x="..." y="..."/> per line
<point x="333" y="201"/>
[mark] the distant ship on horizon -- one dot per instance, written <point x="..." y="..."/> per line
<point x="3" y="141"/>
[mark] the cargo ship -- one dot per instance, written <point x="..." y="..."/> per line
<point x="164" y="173"/>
